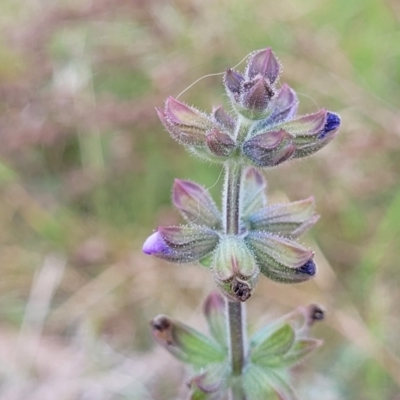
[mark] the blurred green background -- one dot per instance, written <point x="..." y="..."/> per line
<point x="86" y="171"/>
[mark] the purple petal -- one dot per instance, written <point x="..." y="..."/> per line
<point x="155" y="245"/>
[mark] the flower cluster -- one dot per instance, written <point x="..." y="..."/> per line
<point x="265" y="243"/>
<point x="264" y="130"/>
<point x="278" y="345"/>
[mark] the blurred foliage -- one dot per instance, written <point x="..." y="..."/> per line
<point x="86" y="172"/>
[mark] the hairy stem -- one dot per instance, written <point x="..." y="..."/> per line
<point x="236" y="310"/>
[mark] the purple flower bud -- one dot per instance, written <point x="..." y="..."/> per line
<point x="223" y="118"/>
<point x="233" y="83"/>
<point x="306" y="127"/>
<point x="288" y="220"/>
<point x="234" y="268"/>
<point x="195" y="203"/>
<point x="257" y="94"/>
<point x="185" y="124"/>
<point x="309" y="144"/>
<point x="264" y="63"/>
<point x="253" y="191"/>
<point x="181" y="244"/>
<point x="185" y="343"/>
<point x="220" y="143"/>
<point x="280" y="259"/>
<point x="284" y="105"/>
<point x="269" y="149"/>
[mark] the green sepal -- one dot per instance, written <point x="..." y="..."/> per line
<point x="271" y="344"/>
<point x="260" y="383"/>
<point x="215" y="313"/>
<point x="300" y="350"/>
<point x="186" y="343"/>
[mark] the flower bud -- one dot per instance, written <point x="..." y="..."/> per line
<point x="181" y="244"/>
<point x="281" y="259"/>
<point x="256" y="95"/>
<point x="220" y="143"/>
<point x="264" y="63"/>
<point x="185" y="124"/>
<point x="269" y="149"/>
<point x="223" y="118"/>
<point x="304" y="129"/>
<point x="288" y="220"/>
<point x="233" y="84"/>
<point x="284" y="105"/>
<point x="185" y="343"/>
<point x="195" y="203"/>
<point x="234" y="268"/>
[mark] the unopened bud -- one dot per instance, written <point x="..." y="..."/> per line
<point x="181" y="244"/>
<point x="281" y="259"/>
<point x="223" y="118"/>
<point x="220" y="143"/>
<point x="269" y="149"/>
<point x="264" y="63"/>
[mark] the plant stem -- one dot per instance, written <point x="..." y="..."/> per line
<point x="236" y="310"/>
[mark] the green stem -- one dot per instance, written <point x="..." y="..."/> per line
<point x="236" y="310"/>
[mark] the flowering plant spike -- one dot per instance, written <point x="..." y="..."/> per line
<point x="247" y="237"/>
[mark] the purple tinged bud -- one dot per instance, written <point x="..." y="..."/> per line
<point x="264" y="63"/>
<point x="332" y="123"/>
<point x="309" y="144"/>
<point x="280" y="259"/>
<point x="220" y="143"/>
<point x="307" y="126"/>
<point x="185" y="124"/>
<point x="223" y="118"/>
<point x="180" y="113"/>
<point x="284" y="105"/>
<point x="181" y="244"/>
<point x="269" y="149"/>
<point x="256" y="94"/>
<point x="233" y="83"/>
<point x="195" y="203"/>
